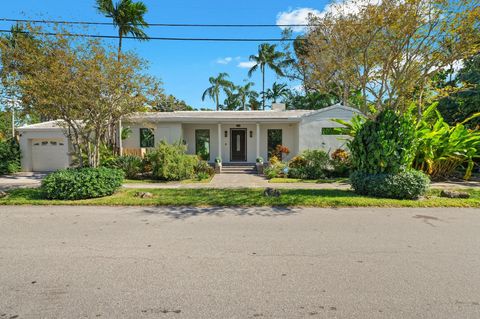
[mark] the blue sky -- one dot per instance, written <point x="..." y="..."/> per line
<point x="184" y="67"/>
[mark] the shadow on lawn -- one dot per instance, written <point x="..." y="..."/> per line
<point x="187" y="212"/>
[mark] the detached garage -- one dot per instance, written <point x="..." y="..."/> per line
<point x="44" y="147"/>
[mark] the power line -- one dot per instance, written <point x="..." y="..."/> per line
<point x="159" y="24"/>
<point x="152" y="38"/>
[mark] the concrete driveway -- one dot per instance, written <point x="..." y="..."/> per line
<point x="24" y="179"/>
<point x="113" y="262"/>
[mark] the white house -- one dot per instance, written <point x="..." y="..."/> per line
<point x="235" y="136"/>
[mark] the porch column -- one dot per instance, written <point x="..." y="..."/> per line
<point x="258" y="141"/>
<point x="220" y="140"/>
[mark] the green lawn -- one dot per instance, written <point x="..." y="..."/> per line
<point x="298" y="180"/>
<point x="156" y="181"/>
<point x="243" y="197"/>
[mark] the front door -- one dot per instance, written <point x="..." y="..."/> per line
<point x="238" y="145"/>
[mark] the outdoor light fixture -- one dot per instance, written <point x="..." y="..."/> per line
<point x="251" y="134"/>
<point x="226" y="133"/>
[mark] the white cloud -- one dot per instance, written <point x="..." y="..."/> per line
<point x="297" y="16"/>
<point x="226" y="60"/>
<point x="246" y="64"/>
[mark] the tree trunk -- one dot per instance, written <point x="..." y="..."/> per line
<point x="216" y="99"/>
<point x="263" y="87"/>
<point x="120" y="40"/>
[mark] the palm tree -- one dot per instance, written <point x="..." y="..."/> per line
<point x="127" y="16"/>
<point x="244" y="92"/>
<point x="268" y="57"/>
<point x="277" y="91"/>
<point x="218" y="84"/>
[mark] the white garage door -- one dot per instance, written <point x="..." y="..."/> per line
<point x="48" y="154"/>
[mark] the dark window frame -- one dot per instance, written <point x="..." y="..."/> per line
<point x="332" y="131"/>
<point x="205" y="158"/>
<point x="270" y="147"/>
<point x="143" y="142"/>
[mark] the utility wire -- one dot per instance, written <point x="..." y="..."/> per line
<point x="152" y="38"/>
<point x="160" y="24"/>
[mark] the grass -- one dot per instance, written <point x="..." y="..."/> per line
<point x="156" y="181"/>
<point x="242" y="197"/>
<point x="298" y="180"/>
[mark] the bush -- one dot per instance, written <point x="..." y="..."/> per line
<point x="341" y="164"/>
<point x="82" y="183"/>
<point x="384" y="145"/>
<point x="275" y="170"/>
<point x="9" y="156"/>
<point x="404" y="185"/>
<point x="131" y="165"/>
<point x="311" y="164"/>
<point x="204" y="169"/>
<point x="171" y="163"/>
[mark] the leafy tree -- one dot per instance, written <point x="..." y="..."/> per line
<point x="278" y="91"/>
<point x="217" y="84"/>
<point x="127" y="16"/>
<point x="389" y="50"/>
<point x="81" y="83"/>
<point x="244" y="92"/>
<point x="310" y="101"/>
<point x="268" y="56"/>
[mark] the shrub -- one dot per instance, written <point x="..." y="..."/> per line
<point x="204" y="169"/>
<point x="275" y="170"/>
<point x="311" y="164"/>
<point x="404" y="185"/>
<point x="384" y="145"/>
<point x="131" y="165"/>
<point x="171" y="163"/>
<point x="82" y="183"/>
<point x="202" y="176"/>
<point x="9" y="156"/>
<point x="341" y="163"/>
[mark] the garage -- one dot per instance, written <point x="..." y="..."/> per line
<point x="44" y="147"/>
<point x="48" y="154"/>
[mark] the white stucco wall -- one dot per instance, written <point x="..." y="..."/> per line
<point x="289" y="138"/>
<point x="189" y="137"/>
<point x="170" y="132"/>
<point x="310" y="130"/>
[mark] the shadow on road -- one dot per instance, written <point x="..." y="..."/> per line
<point x="187" y="212"/>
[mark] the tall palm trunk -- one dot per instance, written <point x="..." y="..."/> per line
<point x="263" y="87"/>
<point x="120" y="40"/>
<point x="216" y="99"/>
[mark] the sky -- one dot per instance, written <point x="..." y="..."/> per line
<point x="184" y="67"/>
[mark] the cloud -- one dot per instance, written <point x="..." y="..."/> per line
<point x="225" y="60"/>
<point x="246" y="64"/>
<point x="297" y="16"/>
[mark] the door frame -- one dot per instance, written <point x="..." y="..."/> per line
<point x="244" y="130"/>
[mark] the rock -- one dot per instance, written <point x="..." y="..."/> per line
<point x="271" y="192"/>
<point x="144" y="195"/>
<point x="3" y="194"/>
<point x="453" y="194"/>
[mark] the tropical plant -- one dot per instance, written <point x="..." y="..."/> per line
<point x="443" y="148"/>
<point x="131" y="165"/>
<point x="127" y="16"/>
<point x="268" y="56"/>
<point x="385" y="144"/>
<point x="277" y="91"/>
<point x="9" y="156"/>
<point x="310" y="100"/>
<point x="244" y="93"/>
<point x="217" y="84"/>
<point x="82" y="183"/>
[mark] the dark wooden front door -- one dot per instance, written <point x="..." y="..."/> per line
<point x="238" y="145"/>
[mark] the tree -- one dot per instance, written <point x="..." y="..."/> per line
<point x="389" y="50"/>
<point x="169" y="103"/>
<point x="310" y="101"/>
<point x="127" y="16"/>
<point x="277" y="91"/>
<point x="83" y="85"/>
<point x="268" y="56"/>
<point x="217" y="84"/>
<point x="245" y="92"/>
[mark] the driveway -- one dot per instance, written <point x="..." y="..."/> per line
<point x="26" y="179"/>
<point x="112" y="262"/>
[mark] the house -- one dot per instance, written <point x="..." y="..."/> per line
<point x="235" y="136"/>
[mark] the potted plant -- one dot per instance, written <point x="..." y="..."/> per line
<point x="259" y="164"/>
<point x="218" y="165"/>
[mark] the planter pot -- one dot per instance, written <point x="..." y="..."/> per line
<point x="259" y="168"/>
<point x="218" y="168"/>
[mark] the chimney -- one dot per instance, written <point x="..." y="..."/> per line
<point x="277" y="107"/>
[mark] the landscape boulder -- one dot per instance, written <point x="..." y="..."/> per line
<point x="454" y="194"/>
<point x="144" y="195"/>
<point x="271" y="192"/>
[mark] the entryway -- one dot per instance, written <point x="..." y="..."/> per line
<point x="238" y="145"/>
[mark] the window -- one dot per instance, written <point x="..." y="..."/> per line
<point x="147" y="138"/>
<point x="274" y="138"/>
<point x="334" y="131"/>
<point x="202" y="144"/>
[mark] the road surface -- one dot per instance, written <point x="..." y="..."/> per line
<point x="107" y="262"/>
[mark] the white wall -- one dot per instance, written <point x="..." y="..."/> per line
<point x="189" y="137"/>
<point x="310" y="130"/>
<point x="289" y="138"/>
<point x="169" y="132"/>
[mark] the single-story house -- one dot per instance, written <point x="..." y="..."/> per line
<point x="235" y="136"/>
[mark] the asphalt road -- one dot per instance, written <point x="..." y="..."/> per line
<point x="105" y="262"/>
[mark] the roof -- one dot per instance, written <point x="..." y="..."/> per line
<point x="193" y="116"/>
<point x="44" y="126"/>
